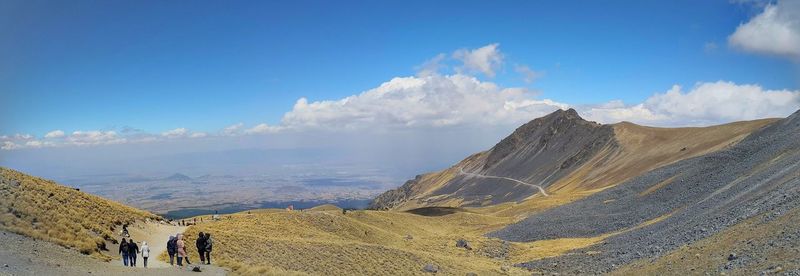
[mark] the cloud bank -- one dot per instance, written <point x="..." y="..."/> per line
<point x="430" y="100"/>
<point x="705" y="104"/>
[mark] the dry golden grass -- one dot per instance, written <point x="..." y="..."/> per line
<point x="45" y="210"/>
<point x="642" y="149"/>
<point x="374" y="243"/>
<point x="358" y="243"/>
<point x="325" y="207"/>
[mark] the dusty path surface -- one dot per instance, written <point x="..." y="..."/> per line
<point x="156" y="235"/>
<point x="541" y="190"/>
<point x="21" y="255"/>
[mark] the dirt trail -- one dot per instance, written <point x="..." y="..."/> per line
<point x="541" y="190"/>
<point x="156" y="235"/>
<point x="20" y="255"/>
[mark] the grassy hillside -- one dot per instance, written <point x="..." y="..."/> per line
<point x="43" y="209"/>
<point x="369" y="243"/>
<point x="642" y="149"/>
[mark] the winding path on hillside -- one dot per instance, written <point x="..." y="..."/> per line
<point x="541" y="190"/>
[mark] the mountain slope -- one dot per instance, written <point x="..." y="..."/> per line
<point x="678" y="204"/>
<point x="327" y="242"/>
<point x="539" y="152"/>
<point x="45" y="210"/>
<point x="565" y="155"/>
<point x="178" y="177"/>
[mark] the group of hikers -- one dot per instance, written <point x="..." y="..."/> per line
<point x="130" y="252"/>
<point x="176" y="247"/>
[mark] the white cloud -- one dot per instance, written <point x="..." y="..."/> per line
<point x="95" y="137"/>
<point x="431" y="101"/>
<point x="528" y="75"/>
<point x="22" y="136"/>
<point x="37" y="144"/>
<point x="431" y="66"/>
<point x="705" y="104"/>
<point x="486" y="59"/>
<point x="263" y="128"/>
<point x="233" y="130"/>
<point x="175" y="133"/>
<point x="8" y="145"/>
<point x="437" y="101"/>
<point x="198" y="135"/>
<point x="775" y="31"/>
<point x="54" y="134"/>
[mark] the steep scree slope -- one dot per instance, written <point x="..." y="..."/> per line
<point x="686" y="201"/>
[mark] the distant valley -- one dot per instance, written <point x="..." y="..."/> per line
<point x="179" y="195"/>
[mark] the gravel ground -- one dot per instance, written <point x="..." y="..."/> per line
<point x="20" y="255"/>
<point x="760" y="175"/>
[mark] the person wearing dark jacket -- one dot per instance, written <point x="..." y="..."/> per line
<point x="201" y="246"/>
<point x="133" y="252"/>
<point x="123" y="250"/>
<point x="172" y="248"/>
<point x="209" y="243"/>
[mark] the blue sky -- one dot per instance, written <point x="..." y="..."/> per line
<point x="204" y="65"/>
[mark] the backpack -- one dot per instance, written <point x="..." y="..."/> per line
<point x="124" y="248"/>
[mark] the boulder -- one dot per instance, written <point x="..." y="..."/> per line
<point x="464" y="244"/>
<point x="431" y="268"/>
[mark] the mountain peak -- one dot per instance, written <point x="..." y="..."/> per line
<point x="178" y="177"/>
<point x="561" y="113"/>
<point x="559" y="127"/>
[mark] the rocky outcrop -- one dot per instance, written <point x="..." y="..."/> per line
<point x="395" y="197"/>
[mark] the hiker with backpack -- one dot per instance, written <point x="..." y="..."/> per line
<point x="123" y="250"/>
<point x="145" y="253"/>
<point x="201" y="246"/>
<point x="209" y="244"/>
<point x="133" y="252"/>
<point x="172" y="249"/>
